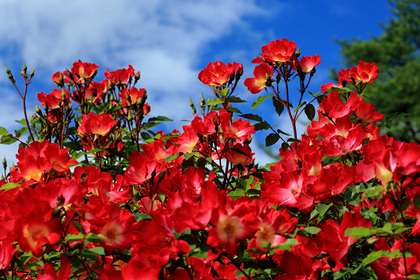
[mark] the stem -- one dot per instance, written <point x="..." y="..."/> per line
<point x="288" y="109"/>
<point x="23" y="97"/>
<point x="239" y="267"/>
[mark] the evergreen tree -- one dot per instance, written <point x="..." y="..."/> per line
<point x="396" y="52"/>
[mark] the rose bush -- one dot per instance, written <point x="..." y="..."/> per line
<point x="98" y="194"/>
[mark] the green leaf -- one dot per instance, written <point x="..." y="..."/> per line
<point x="282" y="132"/>
<point x="8" y="139"/>
<point x="233" y="110"/>
<point x="259" y="100"/>
<point x="92" y="253"/>
<point x="312" y="230"/>
<point x="171" y="158"/>
<point x="235" y="99"/>
<point x="379" y="254"/>
<point x="96" y="238"/>
<point x="414" y="276"/>
<point x="74" y="237"/>
<point x="160" y="118"/>
<point x="253" y="192"/>
<point x="315" y="94"/>
<point x="224" y="92"/>
<point x="287" y="245"/>
<point x="20" y="132"/>
<point x="214" y="102"/>
<point x="359" y="232"/>
<point x="22" y="121"/>
<point x="310" y="111"/>
<point x="78" y="226"/>
<point x="278" y="105"/>
<point x="284" y="146"/>
<point x="142" y="216"/>
<point x="322" y="209"/>
<point x="145" y="135"/>
<point x="3" y="131"/>
<point x="261" y="126"/>
<point x="9" y="186"/>
<point x="271" y="139"/>
<point x="252" y="117"/>
<point x="300" y="106"/>
<point x="237" y="193"/>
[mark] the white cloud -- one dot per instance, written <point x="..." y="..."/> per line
<point x="162" y="39"/>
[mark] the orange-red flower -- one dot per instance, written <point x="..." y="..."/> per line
<point x="84" y="70"/>
<point x="217" y="73"/>
<point x="53" y="99"/>
<point x="364" y="72"/>
<point x="132" y="95"/>
<point x="262" y="75"/>
<point x="278" y="51"/>
<point x="96" y="124"/>
<point x="307" y="63"/>
<point x="122" y="76"/>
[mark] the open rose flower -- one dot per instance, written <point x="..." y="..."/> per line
<point x="278" y="51"/>
<point x="364" y="72"/>
<point x="262" y="75"/>
<point x="96" y="124"/>
<point x="84" y="70"/>
<point x="132" y="95"/>
<point x="217" y="73"/>
<point x="307" y="63"/>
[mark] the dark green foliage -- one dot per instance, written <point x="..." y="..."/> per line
<point x="396" y="52"/>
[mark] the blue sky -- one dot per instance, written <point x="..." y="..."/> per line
<point x="170" y="42"/>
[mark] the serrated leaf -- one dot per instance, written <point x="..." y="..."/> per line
<point x="259" y="100"/>
<point x="271" y="139"/>
<point x="278" y="105"/>
<point x="252" y="117"/>
<point x="310" y="111"/>
<point x="3" y="131"/>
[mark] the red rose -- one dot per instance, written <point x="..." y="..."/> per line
<point x="278" y="51"/>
